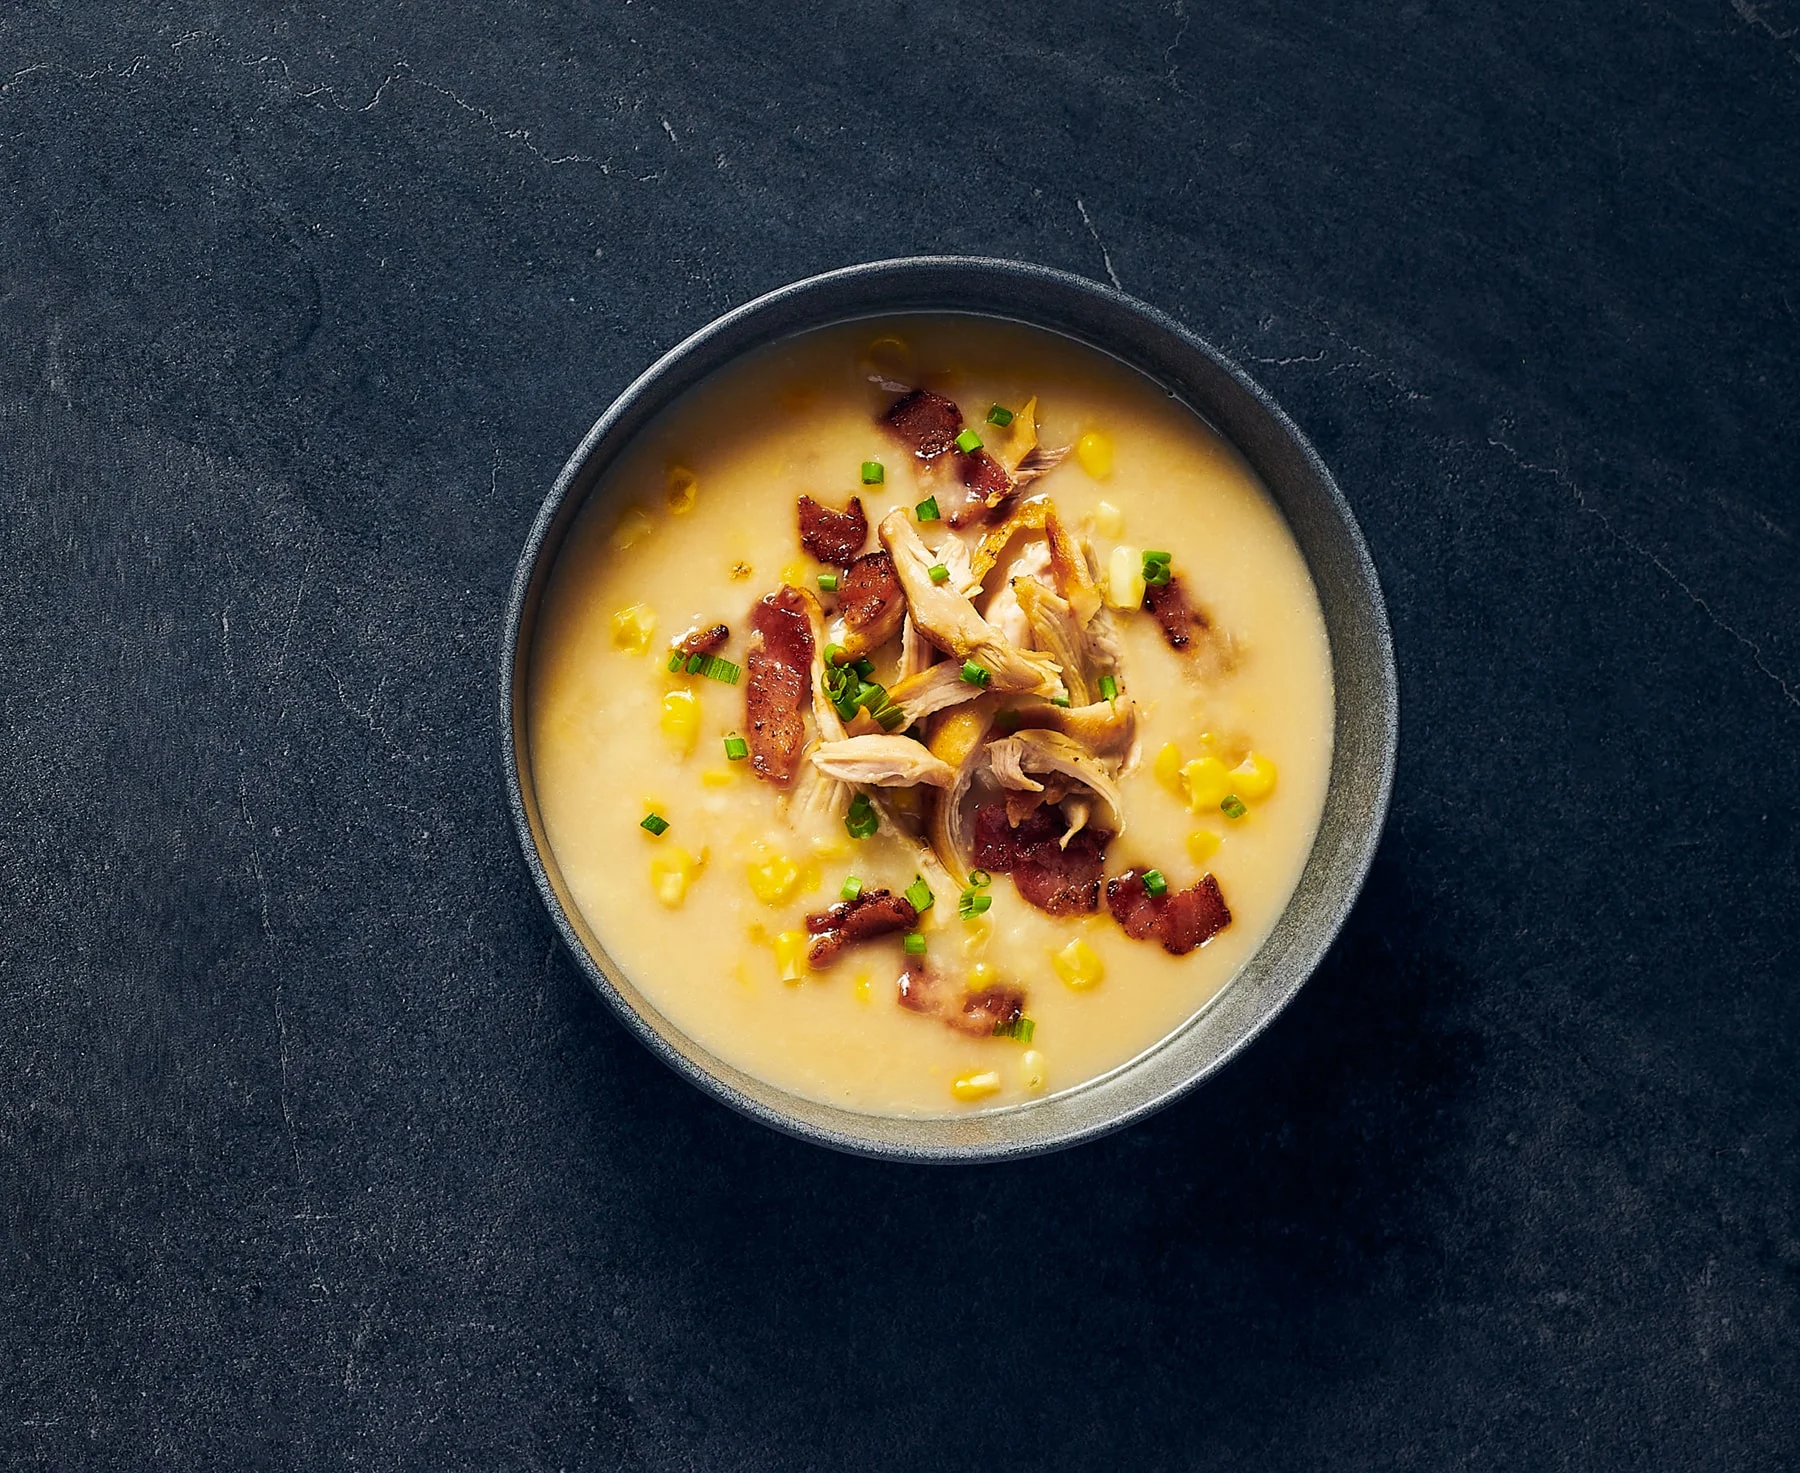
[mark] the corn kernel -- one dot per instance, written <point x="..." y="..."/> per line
<point x="977" y="1086"/>
<point x="830" y="846"/>
<point x="811" y="877"/>
<point x="1255" y="777"/>
<point x="1031" y="1070"/>
<point x="1167" y="768"/>
<point x="1109" y="521"/>
<point x="1125" y="578"/>
<point x="794" y="574"/>
<point x="1079" y="965"/>
<point x="772" y="880"/>
<point x="717" y="777"/>
<point x="681" y="720"/>
<point x="1095" y="452"/>
<point x="865" y="988"/>
<point x="982" y="974"/>
<point x="671" y="871"/>
<point x="1202" y="844"/>
<point x="631" y="528"/>
<point x="682" y="488"/>
<point x="1207" y="781"/>
<point x="790" y="955"/>
<point x="632" y="628"/>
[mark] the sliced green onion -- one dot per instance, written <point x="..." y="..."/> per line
<point x="914" y="943"/>
<point x="828" y="583"/>
<point x="1000" y="415"/>
<point x="939" y="573"/>
<point x="979" y="879"/>
<point x="890" y="717"/>
<point x="736" y="748"/>
<point x="832" y="651"/>
<point x="676" y="660"/>
<point x="972" y="904"/>
<point x="861" y="820"/>
<point x="968" y="441"/>
<point x="852" y="888"/>
<point x="715" y="668"/>
<point x="845" y="705"/>
<point x="1109" y="688"/>
<point x="1155" y="881"/>
<point x="975" y="675"/>
<point x="694" y="662"/>
<point x="1020" y="1028"/>
<point x="864" y="667"/>
<point x="927" y="510"/>
<point x="873" y="474"/>
<point x="1233" y="806"/>
<point x="655" y="823"/>
<point x="919" y="893"/>
<point x="869" y="695"/>
<point x="1062" y="701"/>
<point x="1152" y="558"/>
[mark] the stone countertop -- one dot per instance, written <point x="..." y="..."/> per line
<point x="315" y="1151"/>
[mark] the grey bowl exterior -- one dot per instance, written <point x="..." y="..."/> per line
<point x="1367" y="714"/>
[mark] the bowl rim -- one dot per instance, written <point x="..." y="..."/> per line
<point x="941" y="1138"/>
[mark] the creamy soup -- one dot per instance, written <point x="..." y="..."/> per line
<point x="929" y="715"/>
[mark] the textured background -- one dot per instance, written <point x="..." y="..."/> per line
<point x="315" y="1152"/>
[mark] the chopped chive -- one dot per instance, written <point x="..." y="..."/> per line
<point x="914" y="943"/>
<point x="873" y="474"/>
<point x="1152" y="558"/>
<point x="828" y="583"/>
<point x="1109" y="688"/>
<point x="927" y="510"/>
<point x="862" y="820"/>
<point x="980" y="879"/>
<point x="676" y="660"/>
<point x="1233" y="806"/>
<point x="832" y="651"/>
<point x="694" y="662"/>
<point x="919" y="893"/>
<point x="1062" y="701"/>
<point x="864" y="667"/>
<point x="655" y="823"/>
<point x="1020" y="1028"/>
<point x="852" y="888"/>
<point x="890" y="717"/>
<point x="845" y="705"/>
<point x="975" y="675"/>
<point x="1155" y="881"/>
<point x="1006" y="722"/>
<point x="972" y="904"/>
<point x="939" y="573"/>
<point x="736" y="748"/>
<point x="715" y="668"/>
<point x="968" y="441"/>
<point x="1000" y="415"/>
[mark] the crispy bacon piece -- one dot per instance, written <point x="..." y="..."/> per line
<point x="978" y="1014"/>
<point x="928" y="423"/>
<point x="1167" y="604"/>
<point x="871" y="600"/>
<point x="873" y="913"/>
<point x="776" y="693"/>
<point x="833" y="536"/>
<point x="985" y="477"/>
<point x="705" y="641"/>
<point x="1057" y="879"/>
<point x="1180" y="919"/>
<point x="991" y="1008"/>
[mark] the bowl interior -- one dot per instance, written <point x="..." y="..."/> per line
<point x="1349" y="597"/>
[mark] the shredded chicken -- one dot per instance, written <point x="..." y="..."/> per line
<point x="885" y="761"/>
<point x="818" y="796"/>
<point x="1006" y="613"/>
<point x="916" y="652"/>
<point x="1072" y="562"/>
<point x="1054" y="629"/>
<point x="956" y="739"/>
<point x="1013" y="758"/>
<point x="1108" y="729"/>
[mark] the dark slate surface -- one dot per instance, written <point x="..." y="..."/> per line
<point x="314" y="1152"/>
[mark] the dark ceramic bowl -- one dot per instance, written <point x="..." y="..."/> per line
<point x="1362" y="659"/>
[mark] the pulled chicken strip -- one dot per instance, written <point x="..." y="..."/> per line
<point x="779" y="686"/>
<point x="1058" y="880"/>
<point x="883" y="761"/>
<point x="1180" y="919"/>
<point x="704" y="641"/>
<point x="926" y="423"/>
<point x="833" y="536"/>
<point x="873" y="913"/>
<point x="1167" y="604"/>
<point x="978" y="1014"/>
<point x="872" y="602"/>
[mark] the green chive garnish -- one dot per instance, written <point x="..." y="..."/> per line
<point x="972" y="904"/>
<point x="861" y="820"/>
<point x="655" y="823"/>
<point x="927" y="510"/>
<point x="1109" y="688"/>
<point x="1062" y="701"/>
<point x="694" y="662"/>
<point x="1156" y="568"/>
<point x="980" y="879"/>
<point x="715" y="668"/>
<point x="676" y="660"/>
<point x="890" y="717"/>
<point x="828" y="583"/>
<point x="939" y="573"/>
<point x="736" y="748"/>
<point x="1155" y="881"/>
<point x="1233" y="806"/>
<point x="968" y="441"/>
<point x="919" y="893"/>
<point x="914" y="943"/>
<point x="1006" y="722"/>
<point x="852" y="888"/>
<point x="1152" y="558"/>
<point x="975" y="675"/>
<point x="864" y="667"/>
<point x="1000" y="415"/>
<point x="832" y="651"/>
<point x="1020" y="1028"/>
<point x="872" y="473"/>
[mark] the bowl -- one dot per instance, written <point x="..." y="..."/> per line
<point x="1362" y="661"/>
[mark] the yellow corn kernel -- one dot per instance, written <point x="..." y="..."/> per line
<point x="1167" y="768"/>
<point x="865" y="988"/>
<point x="1079" y="965"/>
<point x="1031" y="1070"/>
<point x="794" y="574"/>
<point x="717" y="777"/>
<point x="632" y="628"/>
<point x="1095" y="452"/>
<point x="1202" y="844"/>
<point x="811" y="877"/>
<point x="977" y="1086"/>
<point x="631" y="528"/>
<point x="1255" y="777"/>
<point x="977" y="932"/>
<point x="681" y="720"/>
<point x="671" y="871"/>
<point x="1208" y="783"/>
<point x="1109" y="521"/>
<point x="830" y="846"/>
<point x="772" y="880"/>
<point x="1125" y="578"/>
<point x="682" y="488"/>
<point x="790" y="955"/>
<point x="982" y="975"/>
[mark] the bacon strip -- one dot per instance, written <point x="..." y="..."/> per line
<point x="1180" y="919"/>
<point x="833" y="536"/>
<point x="1058" y="879"/>
<point x="872" y="602"/>
<point x="704" y="641"/>
<point x="928" y="423"/>
<point x="978" y="1014"/>
<point x="873" y="913"/>
<point x="776" y="693"/>
<point x="1167" y="604"/>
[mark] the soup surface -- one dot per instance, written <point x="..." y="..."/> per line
<point x="973" y="797"/>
